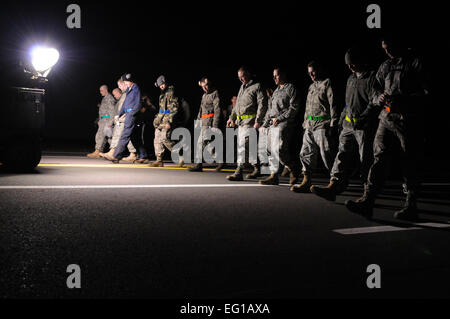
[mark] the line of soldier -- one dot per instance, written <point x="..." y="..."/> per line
<point x="381" y="114"/>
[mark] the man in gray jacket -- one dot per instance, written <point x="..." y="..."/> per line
<point x="281" y="115"/>
<point x="358" y="122"/>
<point x="320" y="124"/>
<point x="209" y="115"/>
<point x="248" y="114"/>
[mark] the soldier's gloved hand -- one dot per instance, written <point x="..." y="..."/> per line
<point x="231" y="123"/>
<point x="256" y="125"/>
<point x="167" y="126"/>
<point x="275" y="121"/>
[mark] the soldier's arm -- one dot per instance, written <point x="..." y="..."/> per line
<point x="134" y="102"/>
<point x="267" y="117"/>
<point x="216" y="103"/>
<point x="374" y="90"/>
<point x="262" y="105"/>
<point x="233" y="114"/>
<point x="293" y="106"/>
<point x="333" y="108"/>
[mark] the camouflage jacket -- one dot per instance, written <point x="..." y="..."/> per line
<point x="283" y="104"/>
<point x="168" y="108"/>
<point x="107" y="109"/>
<point x="210" y="105"/>
<point x="320" y="104"/>
<point x="359" y="100"/>
<point x="251" y="103"/>
<point x="404" y="80"/>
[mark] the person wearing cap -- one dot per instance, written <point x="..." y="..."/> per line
<point x="106" y="115"/>
<point x="249" y="112"/>
<point x="358" y="121"/>
<point x="165" y="121"/>
<point x="320" y="123"/>
<point x="209" y="115"/>
<point x="131" y="106"/>
<point x="120" y="95"/>
<point x="404" y="97"/>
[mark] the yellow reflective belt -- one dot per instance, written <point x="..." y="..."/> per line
<point x="353" y="120"/>
<point x="247" y="116"/>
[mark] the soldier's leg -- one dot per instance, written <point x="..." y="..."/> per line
<point x="169" y="144"/>
<point x="365" y="139"/>
<point x="159" y="145"/>
<point x="100" y="138"/>
<point x="309" y="152"/>
<point x="382" y="148"/>
<point x="327" y="151"/>
<point x="124" y="137"/>
<point x="411" y="144"/>
<point x="346" y="149"/>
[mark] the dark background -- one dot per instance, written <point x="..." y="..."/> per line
<point x="188" y="40"/>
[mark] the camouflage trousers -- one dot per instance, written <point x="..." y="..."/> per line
<point x="100" y="137"/>
<point x="314" y="143"/>
<point x="202" y="144"/>
<point x="352" y="142"/>
<point x="406" y="137"/>
<point x="118" y="128"/>
<point x="284" y="155"/>
<point x="248" y="148"/>
<point x="162" y="140"/>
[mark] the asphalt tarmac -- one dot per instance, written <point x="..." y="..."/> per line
<point x="140" y="232"/>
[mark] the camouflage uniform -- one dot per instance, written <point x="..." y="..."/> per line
<point x="106" y="113"/>
<point x="118" y="127"/>
<point x="283" y="106"/>
<point x="209" y="115"/>
<point x="251" y="107"/>
<point x="404" y="81"/>
<point x="168" y="108"/>
<point x="320" y="115"/>
<point x="358" y="122"/>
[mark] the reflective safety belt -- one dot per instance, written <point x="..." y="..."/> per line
<point x="104" y="116"/>
<point x="353" y="120"/>
<point x="207" y="115"/>
<point x="164" y="111"/>
<point x="128" y="110"/>
<point x="247" y="116"/>
<point x="318" y="118"/>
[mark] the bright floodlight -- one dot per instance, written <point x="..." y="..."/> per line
<point x="44" y="58"/>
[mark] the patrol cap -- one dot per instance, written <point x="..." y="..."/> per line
<point x="160" y="80"/>
<point x="127" y="77"/>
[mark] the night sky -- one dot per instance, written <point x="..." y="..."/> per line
<point x="193" y="39"/>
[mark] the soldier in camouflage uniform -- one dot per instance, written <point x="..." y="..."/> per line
<point x="209" y="114"/>
<point x="164" y="121"/>
<point x="358" y="122"/>
<point x="119" y="95"/>
<point x="320" y="123"/>
<point x="106" y="114"/>
<point x="403" y="94"/>
<point x="249" y="112"/>
<point x="281" y="114"/>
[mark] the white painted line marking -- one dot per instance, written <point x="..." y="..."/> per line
<point x="129" y="186"/>
<point x="380" y="229"/>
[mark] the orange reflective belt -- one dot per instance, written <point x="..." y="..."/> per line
<point x="388" y="109"/>
<point x="207" y="115"/>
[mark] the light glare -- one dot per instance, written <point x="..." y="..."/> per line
<point x="44" y="58"/>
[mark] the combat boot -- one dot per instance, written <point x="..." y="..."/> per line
<point x="293" y="178"/>
<point x="141" y="161"/>
<point x="364" y="205"/>
<point x="94" y="154"/>
<point x="255" y="174"/>
<point x="130" y="158"/>
<point x="112" y="158"/>
<point x="328" y="192"/>
<point x="180" y="164"/>
<point x="219" y="167"/>
<point x="271" y="180"/>
<point x="196" y="168"/>
<point x="285" y="172"/>
<point x="237" y="175"/>
<point x="304" y="186"/>
<point x="409" y="211"/>
<point x="110" y="153"/>
<point x="157" y="163"/>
